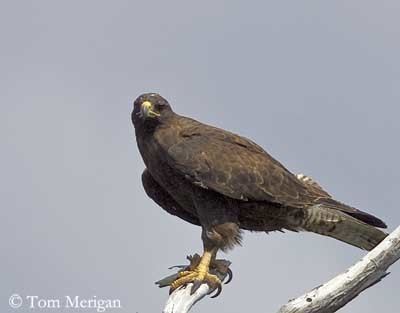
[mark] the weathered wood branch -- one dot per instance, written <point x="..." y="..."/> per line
<point x="326" y="298"/>
<point x="343" y="288"/>
<point x="180" y="301"/>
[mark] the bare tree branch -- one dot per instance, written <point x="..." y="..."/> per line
<point x="340" y="290"/>
<point x="180" y="301"/>
<point x="327" y="298"/>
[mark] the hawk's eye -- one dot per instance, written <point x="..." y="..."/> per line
<point x="159" y="106"/>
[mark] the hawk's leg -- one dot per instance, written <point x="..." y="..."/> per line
<point x="207" y="269"/>
<point x="200" y="271"/>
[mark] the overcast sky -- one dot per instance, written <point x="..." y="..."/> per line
<point x="316" y="83"/>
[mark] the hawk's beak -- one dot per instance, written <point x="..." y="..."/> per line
<point x="146" y="110"/>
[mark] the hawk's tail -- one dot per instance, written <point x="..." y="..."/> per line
<point x="341" y="226"/>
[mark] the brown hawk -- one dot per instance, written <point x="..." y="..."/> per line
<point x="226" y="183"/>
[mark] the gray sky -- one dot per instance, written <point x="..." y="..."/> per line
<point x="74" y="219"/>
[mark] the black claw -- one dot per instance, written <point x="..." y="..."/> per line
<point x="171" y="290"/>
<point x="196" y="285"/>
<point x="230" y="276"/>
<point x="219" y="290"/>
<point x="212" y="290"/>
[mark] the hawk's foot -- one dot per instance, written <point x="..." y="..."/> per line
<point x="205" y="269"/>
<point x="217" y="267"/>
<point x="197" y="277"/>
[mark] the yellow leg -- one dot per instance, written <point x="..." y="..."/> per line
<point x="200" y="274"/>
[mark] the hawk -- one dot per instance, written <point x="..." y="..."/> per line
<point x="226" y="183"/>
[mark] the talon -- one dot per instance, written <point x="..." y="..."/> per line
<point x="196" y="286"/>
<point x="230" y="276"/>
<point x="219" y="290"/>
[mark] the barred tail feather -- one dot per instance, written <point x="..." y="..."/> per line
<point x="341" y="226"/>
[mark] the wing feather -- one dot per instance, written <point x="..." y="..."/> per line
<point x="236" y="167"/>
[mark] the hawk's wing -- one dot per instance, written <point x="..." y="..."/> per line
<point x="164" y="200"/>
<point x="237" y="168"/>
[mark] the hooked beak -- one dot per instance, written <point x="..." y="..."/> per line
<point x="146" y="110"/>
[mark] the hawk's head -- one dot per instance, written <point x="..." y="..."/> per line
<point x="150" y="109"/>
